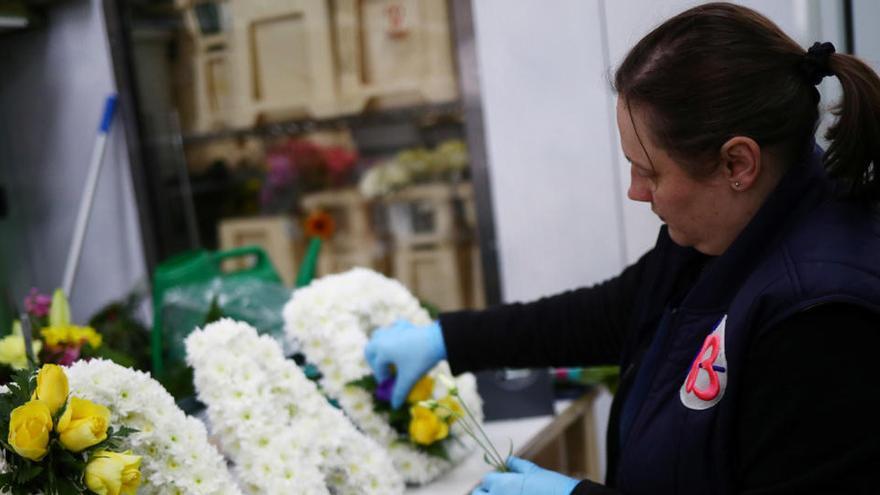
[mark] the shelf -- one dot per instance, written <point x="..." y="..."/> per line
<point x="424" y="113"/>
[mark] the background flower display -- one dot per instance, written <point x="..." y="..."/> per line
<point x="55" y="442"/>
<point x="275" y="424"/>
<point x="298" y="166"/>
<point x="331" y="320"/>
<point x="177" y="457"/>
<point x="447" y="161"/>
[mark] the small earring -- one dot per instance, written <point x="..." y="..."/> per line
<point x="736" y="185"/>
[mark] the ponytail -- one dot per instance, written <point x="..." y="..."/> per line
<point x="853" y="157"/>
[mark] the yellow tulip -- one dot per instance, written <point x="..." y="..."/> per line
<point x="111" y="473"/>
<point x="421" y="390"/>
<point x="83" y="424"/>
<point x="12" y="351"/>
<point x="29" y="428"/>
<point x="52" y="387"/>
<point x="425" y="427"/>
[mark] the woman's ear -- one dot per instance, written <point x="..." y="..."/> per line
<point x="741" y="162"/>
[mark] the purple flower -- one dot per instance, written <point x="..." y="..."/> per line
<point x="384" y="389"/>
<point x="37" y="304"/>
<point x="281" y="171"/>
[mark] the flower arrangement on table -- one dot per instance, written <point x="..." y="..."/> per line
<point x="56" y="339"/>
<point x="177" y="456"/>
<point x="275" y="424"/>
<point x="54" y="442"/>
<point x="63" y="342"/>
<point x="331" y="320"/>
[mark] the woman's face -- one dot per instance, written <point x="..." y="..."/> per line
<point x="697" y="212"/>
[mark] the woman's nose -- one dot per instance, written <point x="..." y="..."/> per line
<point x="639" y="189"/>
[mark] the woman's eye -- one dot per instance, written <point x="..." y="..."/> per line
<point x="642" y="172"/>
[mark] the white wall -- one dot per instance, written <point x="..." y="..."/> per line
<point x="52" y="89"/>
<point x="558" y="177"/>
<point x="804" y="20"/>
<point x="546" y="109"/>
<point x="866" y="14"/>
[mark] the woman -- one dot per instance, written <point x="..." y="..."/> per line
<point x="746" y="335"/>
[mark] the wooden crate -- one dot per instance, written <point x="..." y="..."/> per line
<point x="432" y="272"/>
<point x="276" y="60"/>
<point x="283" y="60"/>
<point x="212" y="66"/>
<point x="274" y="234"/>
<point x="435" y="253"/>
<point x="423" y="213"/>
<point x="393" y="53"/>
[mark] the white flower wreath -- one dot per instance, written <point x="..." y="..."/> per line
<point x="331" y="320"/>
<point x="274" y="423"/>
<point x="177" y="457"/>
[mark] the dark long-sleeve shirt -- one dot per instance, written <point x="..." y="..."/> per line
<point x="806" y="421"/>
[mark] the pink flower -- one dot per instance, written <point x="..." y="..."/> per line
<point x="339" y="160"/>
<point x="37" y="304"/>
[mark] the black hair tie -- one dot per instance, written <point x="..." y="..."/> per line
<point x="815" y="64"/>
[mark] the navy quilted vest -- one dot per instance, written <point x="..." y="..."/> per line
<point x="801" y="249"/>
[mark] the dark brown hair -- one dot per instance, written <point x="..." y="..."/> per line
<point x="720" y="70"/>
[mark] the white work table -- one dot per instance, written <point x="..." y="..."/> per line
<point x="565" y="442"/>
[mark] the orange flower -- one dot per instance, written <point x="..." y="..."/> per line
<point x="320" y="224"/>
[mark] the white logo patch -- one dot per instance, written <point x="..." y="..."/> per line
<point x="707" y="379"/>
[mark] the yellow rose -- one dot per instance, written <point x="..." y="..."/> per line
<point x="449" y="409"/>
<point x="52" y="387"/>
<point x="421" y="390"/>
<point x="110" y="473"/>
<point x="29" y="428"/>
<point x="425" y="427"/>
<point x="83" y="424"/>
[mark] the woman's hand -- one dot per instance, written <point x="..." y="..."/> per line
<point x="412" y="349"/>
<point x="525" y="478"/>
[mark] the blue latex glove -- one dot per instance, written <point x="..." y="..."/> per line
<point x="525" y="478"/>
<point x="412" y="349"/>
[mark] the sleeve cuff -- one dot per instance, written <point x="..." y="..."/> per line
<point x="587" y="487"/>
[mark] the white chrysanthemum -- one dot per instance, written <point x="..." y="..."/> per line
<point x="275" y="424"/>
<point x="176" y="455"/>
<point x="331" y="320"/>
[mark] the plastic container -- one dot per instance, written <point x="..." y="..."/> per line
<point x="197" y="267"/>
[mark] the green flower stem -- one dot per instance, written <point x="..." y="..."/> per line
<point x="483" y="432"/>
<point x="469" y="430"/>
<point x="490" y="450"/>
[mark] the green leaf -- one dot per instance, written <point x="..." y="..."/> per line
<point x="59" y="312"/>
<point x="26" y="473"/>
<point x="367" y="382"/>
<point x="21" y="387"/>
<point x="436" y="449"/>
<point x="214" y="312"/>
<point x="399" y="419"/>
